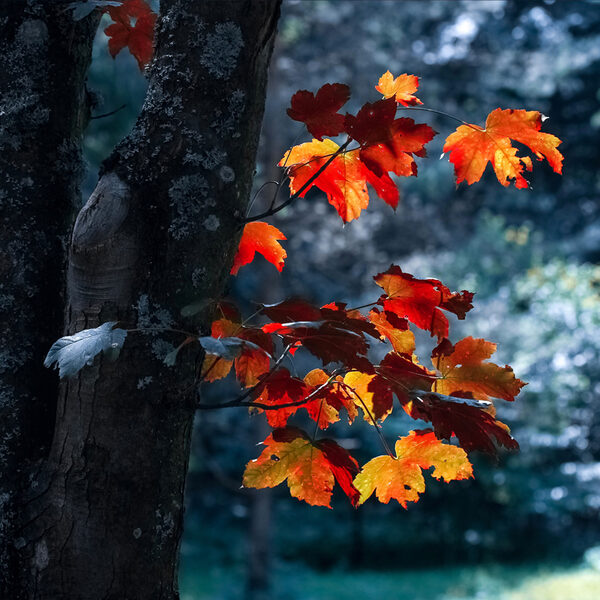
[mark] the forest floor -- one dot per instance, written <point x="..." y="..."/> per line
<point x="494" y="582"/>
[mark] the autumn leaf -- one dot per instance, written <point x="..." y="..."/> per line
<point x="326" y="340"/>
<point x="293" y="309"/>
<point x="138" y="38"/>
<point x="400" y="478"/>
<point x="420" y="300"/>
<point x="371" y="394"/>
<point x="327" y="403"/>
<point x="388" y="144"/>
<point x="351" y="320"/>
<point x="472" y="422"/>
<point x="471" y="147"/>
<point x="343" y="181"/>
<point x="311" y="468"/>
<point x="401" y="88"/>
<point x="319" y="112"/>
<point x="402" y="373"/>
<point x="255" y="357"/>
<point x="278" y="388"/>
<point x="215" y="367"/>
<point x="395" y="329"/>
<point x="336" y="334"/>
<point x="463" y="371"/>
<point x="251" y="348"/>
<point x="262" y="238"/>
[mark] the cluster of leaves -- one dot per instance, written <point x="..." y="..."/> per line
<point x="455" y="395"/>
<point x="386" y="144"/>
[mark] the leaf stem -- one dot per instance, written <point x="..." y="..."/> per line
<point x="377" y="426"/>
<point x="437" y="112"/>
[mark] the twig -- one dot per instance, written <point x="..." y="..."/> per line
<point x="437" y="112"/>
<point x="249" y="391"/>
<point x="108" y="114"/>
<point x="306" y="185"/>
<point x="241" y="400"/>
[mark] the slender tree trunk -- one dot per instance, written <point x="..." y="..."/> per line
<point x="258" y="580"/>
<point x="158" y="233"/>
<point x="44" y="57"/>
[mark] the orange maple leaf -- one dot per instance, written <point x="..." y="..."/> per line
<point x="344" y="180"/>
<point x="325" y="409"/>
<point x="310" y="467"/>
<point x="400" y="478"/>
<point x="262" y="238"/>
<point x="139" y="37"/>
<point x="471" y="147"/>
<point x="463" y="371"/>
<point x="371" y="394"/>
<point x="254" y="359"/>
<point x="402" y="88"/>
<point x="395" y="329"/>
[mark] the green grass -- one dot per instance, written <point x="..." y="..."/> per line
<point x="496" y="582"/>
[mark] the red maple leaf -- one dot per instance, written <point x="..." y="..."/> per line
<point x="319" y="112"/>
<point x="420" y="300"/>
<point x="262" y="238"/>
<point x="277" y="388"/>
<point x="388" y="144"/>
<point x="138" y="37"/>
<point x="473" y="423"/>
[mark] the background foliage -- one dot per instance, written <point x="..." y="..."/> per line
<point x="530" y="257"/>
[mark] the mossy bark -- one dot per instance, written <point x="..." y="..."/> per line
<point x="44" y="56"/>
<point x="159" y="232"/>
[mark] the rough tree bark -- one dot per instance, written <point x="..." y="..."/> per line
<point x="43" y="111"/>
<point x="158" y="233"/>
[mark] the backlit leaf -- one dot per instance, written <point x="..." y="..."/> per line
<point x="471" y="147"/>
<point x="344" y="180"/>
<point x="325" y="408"/>
<point x="262" y="238"/>
<point x="310" y="468"/>
<point x="371" y="394"/>
<point x="395" y="329"/>
<point x="472" y="422"/>
<point x="138" y="37"/>
<point x="420" y="300"/>
<point x="463" y="370"/>
<point x="401" y="88"/>
<point x="401" y="478"/>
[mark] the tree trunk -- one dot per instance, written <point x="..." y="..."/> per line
<point x="44" y="57"/>
<point x="158" y="233"/>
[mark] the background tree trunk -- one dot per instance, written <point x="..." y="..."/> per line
<point x="44" y="57"/>
<point x="158" y="233"/>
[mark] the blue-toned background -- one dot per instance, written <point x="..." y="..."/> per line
<point x="526" y="527"/>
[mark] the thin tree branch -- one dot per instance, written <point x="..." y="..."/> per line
<point x="241" y="400"/>
<point x="108" y="114"/>
<point x="250" y="390"/>
<point x="306" y="185"/>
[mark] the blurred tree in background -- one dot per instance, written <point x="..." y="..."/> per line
<point x="530" y="257"/>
